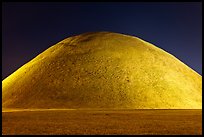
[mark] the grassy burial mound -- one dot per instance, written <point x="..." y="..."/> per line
<point x="103" y="70"/>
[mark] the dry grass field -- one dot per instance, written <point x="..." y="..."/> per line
<point x="92" y="122"/>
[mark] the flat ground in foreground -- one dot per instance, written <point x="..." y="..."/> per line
<point x="102" y="122"/>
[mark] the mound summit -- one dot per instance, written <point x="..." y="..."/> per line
<point x="103" y="70"/>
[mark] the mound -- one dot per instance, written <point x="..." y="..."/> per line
<point x="103" y="70"/>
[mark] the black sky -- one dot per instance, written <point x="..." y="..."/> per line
<point x="30" y="28"/>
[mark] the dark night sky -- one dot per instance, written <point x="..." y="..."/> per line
<point x="30" y="28"/>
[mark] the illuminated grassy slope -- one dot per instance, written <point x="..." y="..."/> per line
<point x="103" y="70"/>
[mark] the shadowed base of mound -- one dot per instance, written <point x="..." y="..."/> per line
<point x="90" y="100"/>
<point x="90" y="122"/>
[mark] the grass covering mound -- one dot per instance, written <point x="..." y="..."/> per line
<point x="103" y="70"/>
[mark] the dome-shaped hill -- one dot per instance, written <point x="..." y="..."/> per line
<point x="103" y="70"/>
